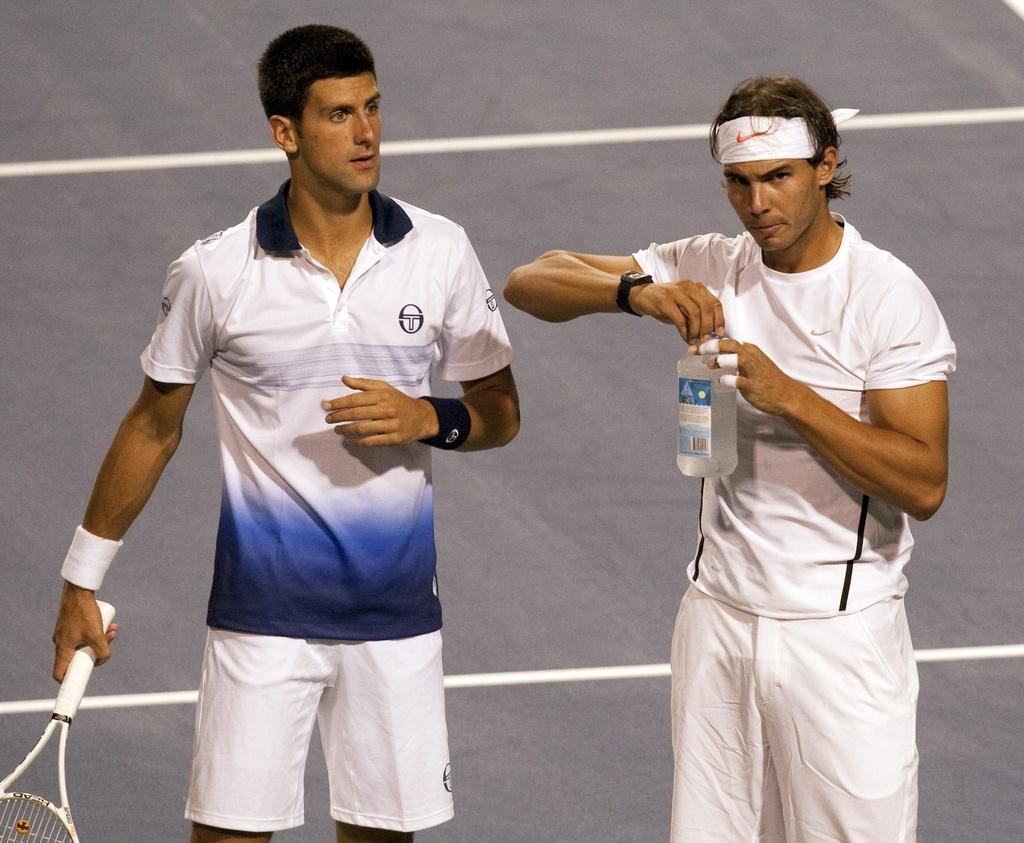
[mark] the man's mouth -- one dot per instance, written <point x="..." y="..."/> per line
<point x="364" y="162"/>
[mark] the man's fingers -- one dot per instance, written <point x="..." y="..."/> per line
<point x="348" y="415"/>
<point x="356" y="399"/>
<point x="719" y="318"/>
<point x="362" y="429"/>
<point x="61" y="661"/>
<point x="352" y="382"/>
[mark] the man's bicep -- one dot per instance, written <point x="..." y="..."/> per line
<point x="160" y="407"/>
<point x="502" y="379"/>
<point x="920" y="412"/>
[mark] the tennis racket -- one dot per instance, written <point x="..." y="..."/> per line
<point x="25" y="818"/>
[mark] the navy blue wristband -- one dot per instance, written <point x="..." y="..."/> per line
<point x="453" y="423"/>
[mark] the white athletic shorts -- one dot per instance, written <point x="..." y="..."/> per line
<point x="380" y="709"/>
<point x="793" y="731"/>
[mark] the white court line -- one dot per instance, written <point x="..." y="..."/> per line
<point x="487" y="143"/>
<point x="495" y="680"/>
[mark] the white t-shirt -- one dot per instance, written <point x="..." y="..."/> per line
<point x="785" y="535"/>
<point x="317" y="538"/>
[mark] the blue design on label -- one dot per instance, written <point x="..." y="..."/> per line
<point x="695" y="392"/>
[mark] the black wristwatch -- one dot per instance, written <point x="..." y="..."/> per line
<point x="627" y="282"/>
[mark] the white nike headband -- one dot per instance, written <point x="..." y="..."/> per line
<point x="769" y="138"/>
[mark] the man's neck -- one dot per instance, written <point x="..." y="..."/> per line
<point x="814" y="248"/>
<point x="327" y="223"/>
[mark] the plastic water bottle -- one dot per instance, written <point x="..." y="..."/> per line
<point x="707" y="414"/>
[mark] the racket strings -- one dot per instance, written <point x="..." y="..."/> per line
<point x="27" y="821"/>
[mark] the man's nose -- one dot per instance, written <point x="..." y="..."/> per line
<point x="758" y="200"/>
<point x="365" y="130"/>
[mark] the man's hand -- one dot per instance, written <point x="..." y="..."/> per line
<point x="695" y="312"/>
<point x="377" y="414"/>
<point x="760" y="381"/>
<point x="79" y="625"/>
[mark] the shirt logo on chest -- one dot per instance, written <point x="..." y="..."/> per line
<point x="410" y="318"/>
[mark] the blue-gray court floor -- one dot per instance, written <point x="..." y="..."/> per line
<point x="566" y="549"/>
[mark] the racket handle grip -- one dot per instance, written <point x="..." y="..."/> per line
<point x="72" y="689"/>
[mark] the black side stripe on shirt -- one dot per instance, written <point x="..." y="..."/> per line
<point x="856" y="556"/>
<point x="700" y="532"/>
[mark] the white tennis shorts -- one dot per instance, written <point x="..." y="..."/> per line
<point x="793" y="731"/>
<point x="380" y="710"/>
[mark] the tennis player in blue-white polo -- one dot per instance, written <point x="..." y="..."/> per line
<point x="319" y="317"/>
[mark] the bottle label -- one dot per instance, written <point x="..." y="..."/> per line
<point x="695" y="417"/>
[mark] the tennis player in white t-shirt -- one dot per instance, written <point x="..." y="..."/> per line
<point x="794" y="685"/>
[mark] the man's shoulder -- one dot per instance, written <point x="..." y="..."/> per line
<point x="871" y="264"/>
<point x="227" y="249"/>
<point x="430" y="224"/>
<point x="717" y="248"/>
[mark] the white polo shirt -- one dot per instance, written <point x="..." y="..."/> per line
<point x="785" y="535"/>
<point x="319" y="539"/>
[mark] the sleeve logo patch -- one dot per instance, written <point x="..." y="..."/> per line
<point x="492" y="302"/>
<point x="165" y="306"/>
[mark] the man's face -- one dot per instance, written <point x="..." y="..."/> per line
<point x="336" y="141"/>
<point x="778" y="201"/>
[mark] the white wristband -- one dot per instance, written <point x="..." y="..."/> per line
<point x="88" y="559"/>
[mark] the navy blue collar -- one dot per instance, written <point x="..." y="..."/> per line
<point x="274" y="230"/>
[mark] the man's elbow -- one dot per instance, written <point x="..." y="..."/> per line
<point x="515" y="288"/>
<point x="524" y="288"/>
<point x="510" y="428"/>
<point x="510" y="432"/>
<point x="927" y="502"/>
<point x="521" y="288"/>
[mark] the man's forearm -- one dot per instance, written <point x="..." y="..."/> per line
<point x="494" y="415"/>
<point x="559" y="286"/>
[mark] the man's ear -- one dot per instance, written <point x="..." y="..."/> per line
<point x="285" y="133"/>
<point x="826" y="169"/>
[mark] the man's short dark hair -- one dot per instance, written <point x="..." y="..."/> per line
<point x="301" y="56"/>
<point x="786" y="96"/>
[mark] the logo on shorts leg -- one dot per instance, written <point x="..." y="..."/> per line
<point x="447" y="777"/>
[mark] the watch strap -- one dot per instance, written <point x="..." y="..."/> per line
<point x="627" y="282"/>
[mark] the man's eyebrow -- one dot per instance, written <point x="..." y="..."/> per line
<point x="349" y="107"/>
<point x="766" y="174"/>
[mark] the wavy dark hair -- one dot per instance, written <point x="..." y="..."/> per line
<point x="301" y="56"/>
<point x="786" y="96"/>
